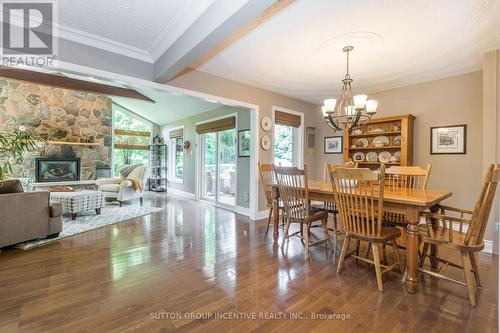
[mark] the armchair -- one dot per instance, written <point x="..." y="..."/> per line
<point x="121" y="189"/>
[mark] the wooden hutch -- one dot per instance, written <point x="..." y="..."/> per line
<point x="399" y="133"/>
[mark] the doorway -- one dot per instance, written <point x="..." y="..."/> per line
<point x="219" y="166"/>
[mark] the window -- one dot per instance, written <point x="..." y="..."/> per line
<point x="288" y="131"/>
<point x="179" y="158"/>
<point x="176" y="150"/>
<point x="131" y="140"/>
<point x="283" y="145"/>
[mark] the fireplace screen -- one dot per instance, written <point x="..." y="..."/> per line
<point x="57" y="170"/>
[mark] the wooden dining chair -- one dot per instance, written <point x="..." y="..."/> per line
<point x="330" y="206"/>
<point x="404" y="177"/>
<point x="463" y="230"/>
<point x="293" y="187"/>
<point x="359" y="195"/>
<point x="267" y="179"/>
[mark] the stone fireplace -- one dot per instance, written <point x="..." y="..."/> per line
<point x="57" y="169"/>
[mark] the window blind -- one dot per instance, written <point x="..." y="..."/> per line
<point x="287" y="119"/>
<point x="176" y="133"/>
<point x="216" y="125"/>
<point x="134" y="140"/>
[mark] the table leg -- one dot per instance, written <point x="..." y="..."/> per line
<point x="276" y="220"/>
<point x="412" y="216"/>
<point x="434" y="247"/>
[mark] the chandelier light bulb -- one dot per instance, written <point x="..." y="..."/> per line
<point x="324" y="110"/>
<point x="360" y="101"/>
<point x="330" y="104"/>
<point x="371" y="106"/>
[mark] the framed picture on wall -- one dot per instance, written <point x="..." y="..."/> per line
<point x="449" y="139"/>
<point x="333" y="145"/>
<point x="244" y="143"/>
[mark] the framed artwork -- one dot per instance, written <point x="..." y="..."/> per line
<point x="333" y="145"/>
<point x="244" y="143"/>
<point x="449" y="139"/>
<point x="311" y="139"/>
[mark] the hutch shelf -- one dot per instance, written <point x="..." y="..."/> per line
<point x="396" y="134"/>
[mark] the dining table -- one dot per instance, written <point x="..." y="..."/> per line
<point x="410" y="202"/>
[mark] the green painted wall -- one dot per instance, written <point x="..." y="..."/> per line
<point x="190" y="157"/>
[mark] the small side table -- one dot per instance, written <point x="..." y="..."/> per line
<point x="79" y="201"/>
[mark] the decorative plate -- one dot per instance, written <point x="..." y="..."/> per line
<point x="397" y="156"/>
<point x="372" y="157"/>
<point x="363" y="142"/>
<point x="384" y="157"/>
<point x="266" y="123"/>
<point x="381" y="141"/>
<point x="265" y="142"/>
<point x="358" y="157"/>
<point x="397" y="140"/>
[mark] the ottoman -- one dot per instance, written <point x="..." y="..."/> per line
<point x="79" y="201"/>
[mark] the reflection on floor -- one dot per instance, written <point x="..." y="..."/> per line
<point x="178" y="268"/>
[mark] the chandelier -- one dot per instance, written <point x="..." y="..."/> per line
<point x="350" y="112"/>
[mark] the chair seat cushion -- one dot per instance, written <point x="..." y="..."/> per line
<point x="110" y="187"/>
<point x="386" y="234"/>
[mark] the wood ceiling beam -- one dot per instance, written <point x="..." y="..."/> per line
<point x="66" y="82"/>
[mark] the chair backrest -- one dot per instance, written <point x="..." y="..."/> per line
<point x="482" y="209"/>
<point x="328" y="166"/>
<point x="267" y="179"/>
<point x="359" y="195"/>
<point x="292" y="183"/>
<point x="140" y="174"/>
<point x="407" y="177"/>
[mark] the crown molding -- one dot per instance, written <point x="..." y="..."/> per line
<point x="185" y="17"/>
<point x="102" y="43"/>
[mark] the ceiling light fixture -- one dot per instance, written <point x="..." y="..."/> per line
<point x="348" y="112"/>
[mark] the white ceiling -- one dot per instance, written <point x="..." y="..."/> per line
<point x="139" y="29"/>
<point x="169" y="106"/>
<point x="397" y="42"/>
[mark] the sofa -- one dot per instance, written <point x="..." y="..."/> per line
<point x="28" y="215"/>
<point x="121" y="189"/>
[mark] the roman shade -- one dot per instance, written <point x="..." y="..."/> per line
<point x="216" y="125"/>
<point x="134" y="140"/>
<point x="176" y="133"/>
<point x="287" y="119"/>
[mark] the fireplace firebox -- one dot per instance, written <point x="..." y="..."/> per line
<point x="57" y="169"/>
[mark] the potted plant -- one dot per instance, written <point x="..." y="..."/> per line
<point x="13" y="145"/>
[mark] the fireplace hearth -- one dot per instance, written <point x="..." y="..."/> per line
<point x="57" y="169"/>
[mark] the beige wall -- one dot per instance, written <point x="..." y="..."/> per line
<point x="491" y="128"/>
<point x="214" y="85"/>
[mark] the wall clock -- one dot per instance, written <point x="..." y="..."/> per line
<point x="265" y="142"/>
<point x="266" y="123"/>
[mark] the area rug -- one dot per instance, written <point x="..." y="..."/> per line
<point x="87" y="221"/>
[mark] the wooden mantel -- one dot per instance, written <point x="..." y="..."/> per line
<point x="69" y="143"/>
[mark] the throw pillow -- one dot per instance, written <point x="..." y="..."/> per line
<point x="11" y="186"/>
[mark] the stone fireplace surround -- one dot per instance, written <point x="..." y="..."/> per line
<point x="58" y="114"/>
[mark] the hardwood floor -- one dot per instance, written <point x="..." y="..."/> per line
<point x="193" y="259"/>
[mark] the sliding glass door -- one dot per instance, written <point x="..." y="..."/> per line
<point x="218" y="178"/>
